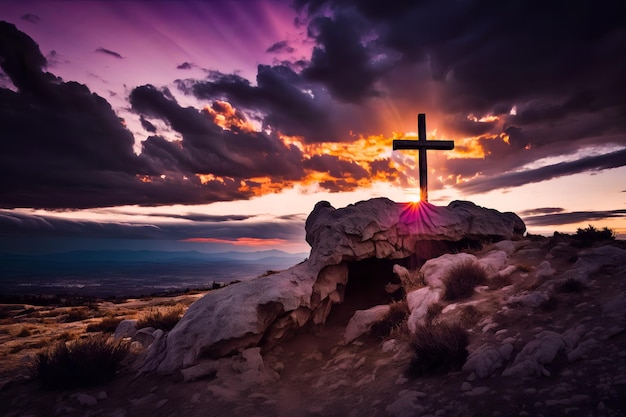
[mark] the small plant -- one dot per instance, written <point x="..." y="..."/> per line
<point x="24" y="332"/>
<point x="161" y="318"/>
<point x="469" y="316"/>
<point x="76" y="314"/>
<point x="571" y="285"/>
<point x="84" y="362"/>
<point x="438" y="348"/>
<point x="461" y="279"/>
<point x="394" y="319"/>
<point x="433" y="311"/>
<point x="107" y="325"/>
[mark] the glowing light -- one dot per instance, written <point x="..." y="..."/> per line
<point x="484" y="119"/>
<point x="240" y="241"/>
<point x="513" y="111"/>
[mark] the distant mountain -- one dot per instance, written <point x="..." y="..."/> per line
<point x="143" y="256"/>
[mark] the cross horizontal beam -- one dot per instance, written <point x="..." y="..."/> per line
<point x="403" y="144"/>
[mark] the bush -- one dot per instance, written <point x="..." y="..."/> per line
<point x="433" y="311"/>
<point x="85" y="362"/>
<point x="571" y="285"/>
<point x="106" y="325"/>
<point x="461" y="279"/>
<point x="438" y="348"/>
<point x="76" y="314"/>
<point x="469" y="316"/>
<point x="589" y="235"/>
<point x="394" y="319"/>
<point x="161" y="318"/>
<point x="24" y="332"/>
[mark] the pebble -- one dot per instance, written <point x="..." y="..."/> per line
<point x="466" y="386"/>
<point x="86" y="399"/>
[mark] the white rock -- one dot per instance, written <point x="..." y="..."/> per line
<point x="493" y="262"/>
<point x="544" y="270"/>
<point x="418" y="302"/>
<point x="362" y="321"/>
<point x="508" y="246"/>
<point x="126" y="328"/>
<point x="434" y="270"/>
<point x="535" y="354"/>
<point x="145" y="336"/>
<point x="533" y="299"/>
<point x="485" y="360"/>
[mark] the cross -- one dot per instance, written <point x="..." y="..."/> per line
<point x="422" y="145"/>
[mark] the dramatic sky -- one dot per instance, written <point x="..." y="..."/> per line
<point x="217" y="125"/>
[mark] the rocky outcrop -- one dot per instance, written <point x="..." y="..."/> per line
<point x="267" y="309"/>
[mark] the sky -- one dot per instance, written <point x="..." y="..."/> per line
<point x="217" y="125"/>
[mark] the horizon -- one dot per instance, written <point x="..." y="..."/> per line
<point x="217" y="126"/>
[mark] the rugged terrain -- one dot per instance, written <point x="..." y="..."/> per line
<point x="539" y="345"/>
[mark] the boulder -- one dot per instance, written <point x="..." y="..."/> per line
<point x="268" y="309"/>
<point x="362" y="321"/>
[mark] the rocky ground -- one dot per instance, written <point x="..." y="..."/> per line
<point x="539" y="346"/>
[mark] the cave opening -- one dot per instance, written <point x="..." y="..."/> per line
<point x="366" y="288"/>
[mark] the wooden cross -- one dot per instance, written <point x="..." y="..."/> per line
<point x="422" y="145"/>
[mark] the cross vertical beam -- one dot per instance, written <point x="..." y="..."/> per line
<point x="422" y="145"/>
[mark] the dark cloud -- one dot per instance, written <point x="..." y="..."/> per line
<point x="287" y="102"/>
<point x="12" y="223"/>
<point x="556" y="219"/>
<point x="282" y="46"/>
<point x="145" y="123"/>
<point x="515" y="179"/>
<point x="30" y="17"/>
<point x="541" y="210"/>
<point x="336" y="168"/>
<point x="109" y="52"/>
<point x="184" y="66"/>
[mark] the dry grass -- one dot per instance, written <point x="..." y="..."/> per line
<point x="461" y="279"/>
<point x="77" y="314"/>
<point x="469" y="316"/>
<point x="85" y="362"/>
<point x="433" y="312"/>
<point x="164" y="318"/>
<point x="438" y="348"/>
<point x="394" y="319"/>
<point x="107" y="325"/>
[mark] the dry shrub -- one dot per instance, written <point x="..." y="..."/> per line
<point x="524" y="267"/>
<point x="164" y="318"/>
<point x="24" y="332"/>
<point x="107" y="325"/>
<point x="469" y="316"/>
<point x="433" y="311"/>
<point x="76" y="314"/>
<point x="500" y="281"/>
<point x="84" y="362"/>
<point x="394" y="319"/>
<point x="461" y="279"/>
<point x="438" y="348"/>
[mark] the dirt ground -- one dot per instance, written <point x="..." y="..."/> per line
<point x="315" y="374"/>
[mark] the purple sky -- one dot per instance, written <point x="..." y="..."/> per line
<point x="220" y="123"/>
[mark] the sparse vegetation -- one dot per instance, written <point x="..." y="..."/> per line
<point x="438" y="348"/>
<point x="571" y="285"/>
<point x="589" y="235"/>
<point x="161" y="318"/>
<point x="460" y="281"/>
<point x="524" y="267"/>
<point x="107" y="325"/>
<point x="76" y="314"/>
<point x="433" y="311"/>
<point x="85" y="362"/>
<point x="394" y="319"/>
<point x="469" y="316"/>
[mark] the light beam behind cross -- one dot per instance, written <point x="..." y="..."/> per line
<point x="422" y="145"/>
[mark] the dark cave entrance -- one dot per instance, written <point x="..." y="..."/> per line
<point x="366" y="288"/>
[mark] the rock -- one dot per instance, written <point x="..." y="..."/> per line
<point x="544" y="270"/>
<point x="126" y="328"/>
<point x="418" y="302"/>
<point x="434" y="270"/>
<point x="86" y="399"/>
<point x="592" y="260"/>
<point x="237" y="317"/>
<point x="362" y="321"/>
<point x="407" y="405"/>
<point x="533" y="299"/>
<point x="493" y="262"/>
<point x="145" y="336"/>
<point x="486" y="360"/>
<point x="535" y="354"/>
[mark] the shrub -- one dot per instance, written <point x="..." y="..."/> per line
<point x="433" y="311"/>
<point x="461" y="279"/>
<point x="394" y="319"/>
<point x="85" y="362"/>
<point x="107" y="325"/>
<point x="469" y="316"/>
<point x="161" y="318"/>
<point x="76" y="314"/>
<point x="438" y="348"/>
<point x="589" y="235"/>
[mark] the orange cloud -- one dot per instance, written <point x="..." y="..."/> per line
<point x="240" y="241"/>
